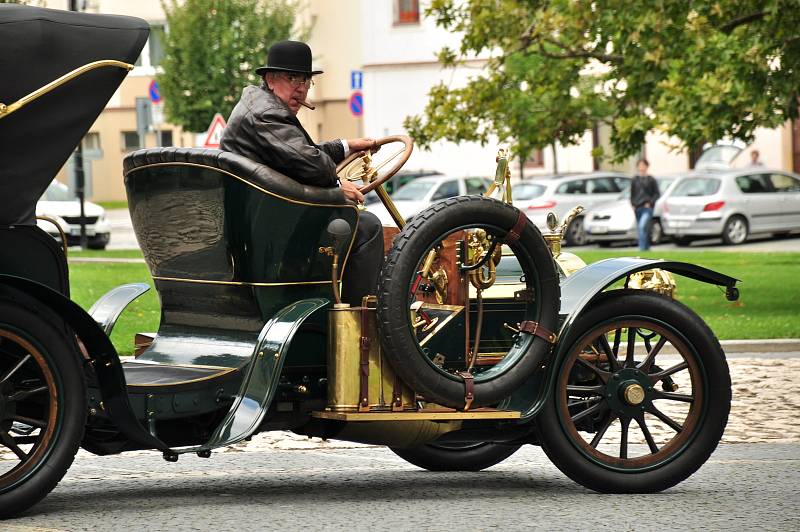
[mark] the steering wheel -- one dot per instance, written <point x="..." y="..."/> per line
<point x="359" y="166"/>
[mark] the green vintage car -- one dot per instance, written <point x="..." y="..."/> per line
<point x="481" y="336"/>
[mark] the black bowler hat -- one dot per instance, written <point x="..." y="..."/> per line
<point x="289" y="56"/>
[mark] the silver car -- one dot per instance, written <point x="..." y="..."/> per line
<point x="733" y="205"/>
<point x="615" y="221"/>
<point x="560" y="194"/>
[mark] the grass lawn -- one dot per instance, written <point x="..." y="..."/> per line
<point x="113" y="204"/>
<point x="769" y="306"/>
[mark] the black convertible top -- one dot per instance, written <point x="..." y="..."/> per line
<point x="38" y="46"/>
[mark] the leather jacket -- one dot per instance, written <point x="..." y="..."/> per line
<point x="263" y="129"/>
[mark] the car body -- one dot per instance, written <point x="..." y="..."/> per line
<point x="424" y="191"/>
<point x="733" y="204"/>
<point x="60" y="204"/>
<point x="559" y="194"/>
<point x="615" y="220"/>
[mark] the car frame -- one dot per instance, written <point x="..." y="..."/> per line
<point x="247" y="263"/>
<point x="732" y="205"/>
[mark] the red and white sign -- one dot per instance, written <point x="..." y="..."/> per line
<point x="214" y="133"/>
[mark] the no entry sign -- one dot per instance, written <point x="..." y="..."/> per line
<point x="357" y="103"/>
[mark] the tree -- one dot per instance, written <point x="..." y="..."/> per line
<point x="697" y="71"/>
<point x="211" y="51"/>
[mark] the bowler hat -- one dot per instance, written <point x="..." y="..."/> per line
<point x="289" y="56"/>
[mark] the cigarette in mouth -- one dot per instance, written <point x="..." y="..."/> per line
<point x="306" y="104"/>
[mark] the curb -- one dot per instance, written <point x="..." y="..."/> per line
<point x="781" y="345"/>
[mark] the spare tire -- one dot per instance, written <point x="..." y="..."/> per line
<point x="396" y="293"/>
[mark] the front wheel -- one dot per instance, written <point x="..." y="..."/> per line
<point x="735" y="231"/>
<point x="457" y="457"/>
<point x="641" y="398"/>
<point x="576" y="234"/>
<point x="42" y="402"/>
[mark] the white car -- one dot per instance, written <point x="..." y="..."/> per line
<point x="559" y="194"/>
<point x="422" y="192"/>
<point x="615" y="221"/>
<point x="60" y="204"/>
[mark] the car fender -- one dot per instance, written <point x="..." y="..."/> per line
<point x="584" y="286"/>
<point x="101" y="354"/>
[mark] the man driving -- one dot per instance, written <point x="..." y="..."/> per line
<point x="264" y="127"/>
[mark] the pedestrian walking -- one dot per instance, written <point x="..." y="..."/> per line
<point x="644" y="194"/>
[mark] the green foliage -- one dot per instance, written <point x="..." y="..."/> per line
<point x="211" y="52"/>
<point x="698" y="71"/>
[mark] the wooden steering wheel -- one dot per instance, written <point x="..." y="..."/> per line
<point x="360" y="166"/>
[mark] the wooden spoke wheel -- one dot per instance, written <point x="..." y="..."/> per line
<point x="641" y="398"/>
<point x="42" y="406"/>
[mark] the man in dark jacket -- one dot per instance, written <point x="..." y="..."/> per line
<point x="644" y="194"/>
<point x="264" y="127"/>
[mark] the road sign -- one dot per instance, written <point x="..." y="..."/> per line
<point x="155" y="94"/>
<point x="214" y="133"/>
<point x="356" y="103"/>
<point x="356" y="80"/>
<point x="158" y="114"/>
<point x="144" y="116"/>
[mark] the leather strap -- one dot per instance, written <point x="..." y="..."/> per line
<point x="532" y="327"/>
<point x="469" y="388"/>
<point x="364" y="345"/>
<point x="515" y="232"/>
<point x="397" y="394"/>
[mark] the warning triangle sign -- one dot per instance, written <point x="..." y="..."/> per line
<point x="214" y="133"/>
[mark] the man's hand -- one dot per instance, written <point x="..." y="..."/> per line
<point x="351" y="191"/>
<point x="362" y="144"/>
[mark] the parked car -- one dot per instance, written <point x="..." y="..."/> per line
<point x="59" y="203"/>
<point x="423" y="191"/>
<point x="615" y="221"/>
<point x="732" y="205"/>
<point x="559" y="194"/>
<point x="398" y="180"/>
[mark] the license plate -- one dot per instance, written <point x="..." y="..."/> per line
<point x="599" y="230"/>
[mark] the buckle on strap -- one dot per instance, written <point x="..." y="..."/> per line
<point x="515" y="232"/>
<point x="532" y="327"/>
<point x="469" y="388"/>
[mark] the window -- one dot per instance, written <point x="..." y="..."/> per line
<point x="572" y="187"/>
<point x="448" y="189"/>
<point x="153" y="51"/>
<point x="166" y="137"/>
<point x="527" y="191"/>
<point x="696" y="186"/>
<point x="623" y="183"/>
<point x="130" y="141"/>
<point x="753" y="184"/>
<point x="535" y="160"/>
<point x="406" y="12"/>
<point x="602" y="185"/>
<point x="785" y="183"/>
<point x="476" y="185"/>
<point x="91" y="142"/>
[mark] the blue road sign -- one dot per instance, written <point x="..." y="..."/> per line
<point x="356" y="80"/>
<point x="155" y="94"/>
<point x="357" y="103"/>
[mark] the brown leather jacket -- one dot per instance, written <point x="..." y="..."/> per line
<point x="263" y="128"/>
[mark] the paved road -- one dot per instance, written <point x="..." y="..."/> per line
<point x="742" y="486"/>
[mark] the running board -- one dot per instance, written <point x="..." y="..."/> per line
<point x="260" y="381"/>
<point x="426" y="414"/>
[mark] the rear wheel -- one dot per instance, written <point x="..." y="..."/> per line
<point x="576" y="234"/>
<point x="683" y="241"/>
<point x="735" y="230"/>
<point x="641" y="398"/>
<point x="656" y="231"/>
<point x="457" y="457"/>
<point x="42" y="403"/>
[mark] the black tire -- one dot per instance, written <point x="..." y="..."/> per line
<point x="656" y="232"/>
<point x="99" y="241"/>
<point x="585" y="400"/>
<point x="457" y="457"/>
<point x="45" y="394"/>
<point x="683" y="241"/>
<point x="576" y="234"/>
<point x="735" y="230"/>
<point x="428" y="228"/>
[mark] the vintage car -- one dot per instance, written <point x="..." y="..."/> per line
<point x="479" y="339"/>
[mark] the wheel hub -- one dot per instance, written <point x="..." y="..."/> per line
<point x="633" y="394"/>
<point x="628" y="391"/>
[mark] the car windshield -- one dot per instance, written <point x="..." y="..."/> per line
<point x="414" y="191"/>
<point x="696" y="186"/>
<point x="527" y="191"/>
<point x="58" y="192"/>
